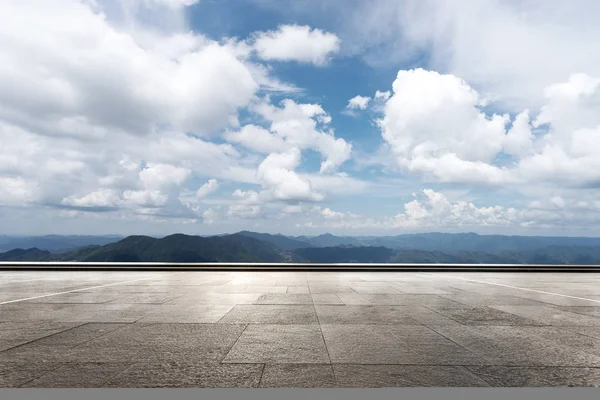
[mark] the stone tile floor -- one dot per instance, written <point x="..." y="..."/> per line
<point x="298" y="329"/>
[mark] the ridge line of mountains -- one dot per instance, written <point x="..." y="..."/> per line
<point x="248" y="246"/>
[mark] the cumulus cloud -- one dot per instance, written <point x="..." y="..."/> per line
<point x="358" y="103"/>
<point x="294" y="125"/>
<point x="462" y="38"/>
<point x="117" y="82"/>
<point x="296" y="43"/>
<point x="277" y="176"/>
<point x="208" y="188"/>
<point x="436" y="126"/>
<point x="379" y="95"/>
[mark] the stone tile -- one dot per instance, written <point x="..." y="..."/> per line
<point x="20" y="312"/>
<point x="362" y="315"/>
<point x="18" y="333"/>
<point x="368" y="344"/>
<point x="77" y="297"/>
<point x="81" y="375"/>
<point x="264" y="289"/>
<point x="215" y="298"/>
<point x="295" y="344"/>
<point x="538" y="376"/>
<point x="188" y="375"/>
<point x="80" y="334"/>
<point x="564" y="337"/>
<point x="326" y="298"/>
<point x="383" y="289"/>
<point x="590" y="331"/>
<point x="395" y="299"/>
<point x="33" y="353"/>
<point x="483" y="316"/>
<point x="298" y="376"/>
<point x="507" y="345"/>
<point x="271" y="314"/>
<point x="330" y="288"/>
<point x="592" y="311"/>
<point x="284" y="298"/>
<point x="477" y="300"/>
<point x="298" y="289"/>
<point x="551" y="316"/>
<point x="142" y="342"/>
<point x="118" y="313"/>
<point x="16" y="374"/>
<point x="360" y="376"/>
<point x="146" y="298"/>
<point x="179" y="313"/>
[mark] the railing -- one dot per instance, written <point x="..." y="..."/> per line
<point x="215" y="266"/>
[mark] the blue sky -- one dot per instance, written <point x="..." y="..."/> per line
<point x="204" y="117"/>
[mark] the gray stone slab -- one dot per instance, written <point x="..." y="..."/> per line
<point x="79" y="313"/>
<point x="298" y="289"/>
<point x="146" y="298"/>
<point x="483" y="316"/>
<point x="298" y="376"/>
<point x="142" y="342"/>
<point x="34" y="353"/>
<point x="538" y="376"/>
<point x="479" y="300"/>
<point x="368" y="344"/>
<point x="326" y="298"/>
<point x="20" y="312"/>
<point x="78" y="375"/>
<point x="551" y="315"/>
<point x="271" y="314"/>
<point x="78" y="298"/>
<point x="18" y="333"/>
<point x="357" y="315"/>
<point x="188" y="375"/>
<point x="395" y="299"/>
<point x="507" y="345"/>
<point x="79" y="334"/>
<point x="292" y="344"/>
<point x="190" y="313"/>
<point x="264" y="289"/>
<point x="588" y="311"/>
<point x="284" y="298"/>
<point x="383" y="289"/>
<point x="330" y="288"/>
<point x="215" y="298"/>
<point x="16" y="374"/>
<point x="358" y="376"/>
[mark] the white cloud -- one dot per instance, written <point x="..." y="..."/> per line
<point x="243" y="211"/>
<point x="382" y="95"/>
<point x="173" y="3"/>
<point x="117" y="82"/>
<point x="145" y="198"/>
<point x="512" y="49"/>
<point x="296" y="43"/>
<point x="258" y="139"/>
<point x="358" y="102"/>
<point x="277" y="176"/>
<point x="247" y="197"/>
<point x="434" y="126"/>
<point x="160" y="176"/>
<point x="208" y="188"/>
<point x="301" y="126"/>
<point x="103" y="198"/>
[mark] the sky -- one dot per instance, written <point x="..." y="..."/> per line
<point x="352" y="117"/>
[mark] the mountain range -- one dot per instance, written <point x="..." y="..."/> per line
<point x="248" y="246"/>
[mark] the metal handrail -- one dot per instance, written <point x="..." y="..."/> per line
<point x="243" y="266"/>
